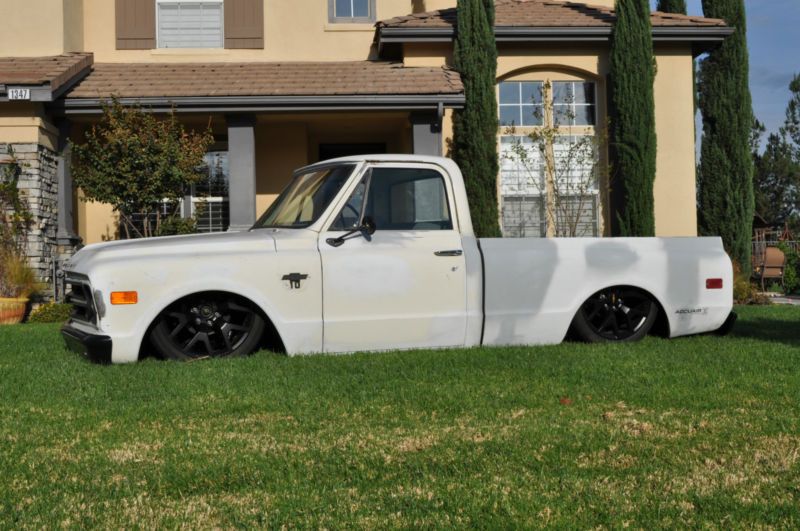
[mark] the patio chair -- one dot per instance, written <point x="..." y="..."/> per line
<point x="771" y="267"/>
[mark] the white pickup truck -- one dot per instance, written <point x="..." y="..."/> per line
<point x="375" y="253"/>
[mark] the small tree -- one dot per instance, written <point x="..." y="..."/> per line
<point x="791" y="126"/>
<point x="776" y="179"/>
<point x="568" y="175"/>
<point x="139" y="164"/>
<point x="632" y="112"/>
<point x="474" y="145"/>
<point x="777" y="182"/>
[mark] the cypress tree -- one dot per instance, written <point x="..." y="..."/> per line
<point x="725" y="179"/>
<point x="632" y="115"/>
<point x="672" y="6"/>
<point x="474" y="145"/>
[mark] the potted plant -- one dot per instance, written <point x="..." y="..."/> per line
<point x="17" y="284"/>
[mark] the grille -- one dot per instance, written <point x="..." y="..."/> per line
<point x="79" y="295"/>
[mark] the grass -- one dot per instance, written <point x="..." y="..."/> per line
<point x="701" y="431"/>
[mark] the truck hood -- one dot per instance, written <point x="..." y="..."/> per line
<point x="160" y="249"/>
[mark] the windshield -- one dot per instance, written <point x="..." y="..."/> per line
<point x="304" y="200"/>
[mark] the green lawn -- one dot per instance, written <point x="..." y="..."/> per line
<point x="695" y="431"/>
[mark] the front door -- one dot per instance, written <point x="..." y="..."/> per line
<point x="405" y="286"/>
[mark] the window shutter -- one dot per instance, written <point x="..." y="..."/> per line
<point x="136" y="24"/>
<point x="244" y="23"/>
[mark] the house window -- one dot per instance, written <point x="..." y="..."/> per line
<point x="521" y="188"/>
<point x="521" y="103"/>
<point x="524" y="188"/>
<point x="190" y="24"/>
<point x="573" y="103"/>
<point x="353" y="11"/>
<point x="209" y="196"/>
<point x="561" y="198"/>
<point x="206" y="201"/>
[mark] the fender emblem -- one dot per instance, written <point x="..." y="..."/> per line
<point x="294" y="279"/>
<point x="692" y="311"/>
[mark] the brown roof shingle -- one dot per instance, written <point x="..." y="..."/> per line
<point x="545" y="13"/>
<point x="143" y="80"/>
<point x="54" y="70"/>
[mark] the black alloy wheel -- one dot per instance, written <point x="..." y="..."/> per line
<point x="616" y="314"/>
<point x="207" y="325"/>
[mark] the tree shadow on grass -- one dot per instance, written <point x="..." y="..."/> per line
<point x="776" y="330"/>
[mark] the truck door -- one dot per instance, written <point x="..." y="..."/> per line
<point x="404" y="286"/>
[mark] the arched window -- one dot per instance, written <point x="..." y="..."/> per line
<point x="550" y="164"/>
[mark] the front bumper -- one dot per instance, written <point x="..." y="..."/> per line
<point x="96" y="348"/>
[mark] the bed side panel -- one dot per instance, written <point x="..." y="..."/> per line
<point x="535" y="286"/>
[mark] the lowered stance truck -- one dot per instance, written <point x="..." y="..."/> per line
<point x="376" y="253"/>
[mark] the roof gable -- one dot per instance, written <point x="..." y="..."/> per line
<point x="545" y="13"/>
<point x="46" y="77"/>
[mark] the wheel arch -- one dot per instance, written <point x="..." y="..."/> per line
<point x="271" y="339"/>
<point x="661" y="327"/>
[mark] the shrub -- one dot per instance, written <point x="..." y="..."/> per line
<point x="175" y="225"/>
<point x="52" y="312"/>
<point x="791" y="274"/>
<point x="744" y="291"/>
<point x="15" y="215"/>
<point x="17" y="280"/>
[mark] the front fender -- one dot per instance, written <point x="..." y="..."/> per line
<point x="155" y="306"/>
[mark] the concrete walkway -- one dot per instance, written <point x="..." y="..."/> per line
<point x="782" y="299"/>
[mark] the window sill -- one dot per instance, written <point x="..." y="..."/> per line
<point x="189" y="51"/>
<point x="350" y="26"/>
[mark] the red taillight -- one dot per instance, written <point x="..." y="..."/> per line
<point x="713" y="283"/>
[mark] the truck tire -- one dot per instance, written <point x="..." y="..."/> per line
<point x="616" y="314"/>
<point x="207" y="325"/>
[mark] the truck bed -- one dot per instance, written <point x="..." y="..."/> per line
<point x="535" y="286"/>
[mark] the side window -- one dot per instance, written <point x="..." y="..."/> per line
<point x="408" y="199"/>
<point x="352" y="11"/>
<point x="350" y="215"/>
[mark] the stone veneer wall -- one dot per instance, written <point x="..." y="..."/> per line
<point x="38" y="184"/>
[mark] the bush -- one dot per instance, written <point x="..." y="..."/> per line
<point x="52" y="312"/>
<point x="175" y="225"/>
<point x="744" y="291"/>
<point x="17" y="280"/>
<point x="791" y="274"/>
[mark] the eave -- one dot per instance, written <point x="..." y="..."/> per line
<point x="53" y="88"/>
<point x="701" y="38"/>
<point x="265" y="104"/>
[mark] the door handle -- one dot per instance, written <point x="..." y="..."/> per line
<point x="457" y="252"/>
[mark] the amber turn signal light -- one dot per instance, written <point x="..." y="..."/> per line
<point x="713" y="283"/>
<point x="124" y="297"/>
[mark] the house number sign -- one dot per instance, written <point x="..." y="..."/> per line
<point x="19" y="94"/>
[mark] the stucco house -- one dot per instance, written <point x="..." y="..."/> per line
<point x="287" y="83"/>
